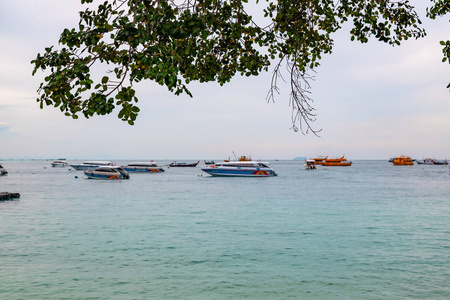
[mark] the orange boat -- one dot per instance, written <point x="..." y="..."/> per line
<point x="319" y="160"/>
<point x="242" y="158"/>
<point x="336" y="162"/>
<point x="403" y="161"/>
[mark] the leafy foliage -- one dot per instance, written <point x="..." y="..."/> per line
<point x="174" y="44"/>
<point x="440" y="8"/>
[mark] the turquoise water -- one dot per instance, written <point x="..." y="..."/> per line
<point x="370" y="231"/>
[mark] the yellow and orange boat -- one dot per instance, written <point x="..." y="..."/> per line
<point x="319" y="160"/>
<point x="242" y="158"/>
<point x="403" y="161"/>
<point x="336" y="162"/>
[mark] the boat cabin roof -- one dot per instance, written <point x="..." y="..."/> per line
<point x="242" y="164"/>
<point x="114" y="169"/>
<point x="142" y="164"/>
<point x="97" y="162"/>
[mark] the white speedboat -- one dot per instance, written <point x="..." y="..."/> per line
<point x="310" y="164"/>
<point x="91" y="165"/>
<point x="431" y="161"/>
<point x="107" y="173"/>
<point x="240" y="168"/>
<point x="3" y="171"/>
<point x="60" y="163"/>
<point x="149" y="167"/>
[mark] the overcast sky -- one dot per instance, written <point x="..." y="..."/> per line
<point x="373" y="101"/>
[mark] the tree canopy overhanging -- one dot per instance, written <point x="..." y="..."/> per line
<point x="176" y="42"/>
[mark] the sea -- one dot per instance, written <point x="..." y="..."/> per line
<point x="369" y="231"/>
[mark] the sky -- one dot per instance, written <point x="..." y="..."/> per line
<point x="373" y="101"/>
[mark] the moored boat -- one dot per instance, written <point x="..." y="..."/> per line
<point x="209" y="162"/>
<point x="241" y="158"/>
<point x="310" y="164"/>
<point x="403" y="161"/>
<point x="240" y="168"/>
<point x="148" y="167"/>
<point x="59" y="163"/>
<point x="336" y="162"/>
<point x="440" y="162"/>
<point x="431" y="161"/>
<point x="319" y="160"/>
<point x="91" y="165"/>
<point x="183" y="164"/>
<point x="107" y="173"/>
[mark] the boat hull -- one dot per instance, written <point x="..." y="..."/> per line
<point x="85" y="167"/>
<point x="59" y="165"/>
<point x="101" y="176"/>
<point x="104" y="177"/>
<point x="239" y="173"/>
<point x="337" y="164"/>
<point x="183" y="165"/>
<point x="144" y="170"/>
<point x="403" y="164"/>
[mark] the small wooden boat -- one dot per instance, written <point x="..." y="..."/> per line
<point x="209" y="162"/>
<point x="336" y="162"/>
<point x="8" y="196"/>
<point x="403" y="161"/>
<point x="183" y="164"/>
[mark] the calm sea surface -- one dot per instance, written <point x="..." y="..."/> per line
<point x="370" y="231"/>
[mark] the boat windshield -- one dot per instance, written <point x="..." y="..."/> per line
<point x="242" y="165"/>
<point x="100" y="163"/>
<point x="110" y="170"/>
<point x="142" y="165"/>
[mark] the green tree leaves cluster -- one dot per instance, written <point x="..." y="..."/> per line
<point x="440" y="8"/>
<point x="174" y="43"/>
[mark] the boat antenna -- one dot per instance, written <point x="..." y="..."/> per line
<point x="235" y="157"/>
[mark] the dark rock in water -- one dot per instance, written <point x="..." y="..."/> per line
<point x="8" y="196"/>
